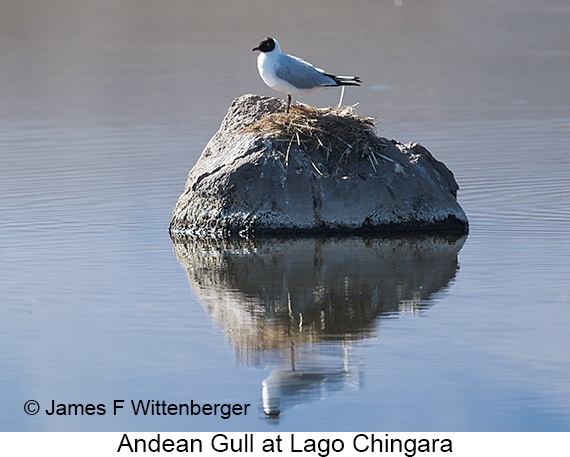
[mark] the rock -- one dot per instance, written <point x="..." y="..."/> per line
<point x="249" y="183"/>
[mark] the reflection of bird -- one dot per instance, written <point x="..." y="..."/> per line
<point x="291" y="75"/>
<point x="315" y="377"/>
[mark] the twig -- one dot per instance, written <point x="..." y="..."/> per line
<point x="315" y="167"/>
<point x="287" y="154"/>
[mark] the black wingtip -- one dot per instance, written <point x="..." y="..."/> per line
<point x="346" y="80"/>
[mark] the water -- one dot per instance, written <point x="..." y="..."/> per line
<point x="105" y="106"/>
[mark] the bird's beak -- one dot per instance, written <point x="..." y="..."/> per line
<point x="255" y="49"/>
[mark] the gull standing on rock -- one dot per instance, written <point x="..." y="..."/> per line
<point x="292" y="75"/>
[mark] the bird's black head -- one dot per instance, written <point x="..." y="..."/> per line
<point x="266" y="45"/>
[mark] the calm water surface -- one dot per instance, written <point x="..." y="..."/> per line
<point x="104" y="108"/>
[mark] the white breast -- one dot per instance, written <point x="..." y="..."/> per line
<point x="266" y="62"/>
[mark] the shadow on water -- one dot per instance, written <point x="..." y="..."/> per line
<point x="300" y="306"/>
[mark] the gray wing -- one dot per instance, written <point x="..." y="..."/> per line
<point x="302" y="74"/>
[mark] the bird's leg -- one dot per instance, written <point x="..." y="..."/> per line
<point x="288" y="103"/>
<point x="341" y="96"/>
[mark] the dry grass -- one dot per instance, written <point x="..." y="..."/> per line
<point x="335" y="134"/>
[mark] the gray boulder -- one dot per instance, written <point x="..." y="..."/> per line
<point x="249" y="183"/>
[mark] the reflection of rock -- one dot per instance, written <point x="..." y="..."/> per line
<point x="254" y="183"/>
<point x="300" y="305"/>
<point x="267" y="293"/>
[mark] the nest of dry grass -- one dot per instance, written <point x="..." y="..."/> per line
<point x="334" y="134"/>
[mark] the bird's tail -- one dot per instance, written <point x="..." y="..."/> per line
<point x="346" y="80"/>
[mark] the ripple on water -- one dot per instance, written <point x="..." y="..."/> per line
<point x="515" y="179"/>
